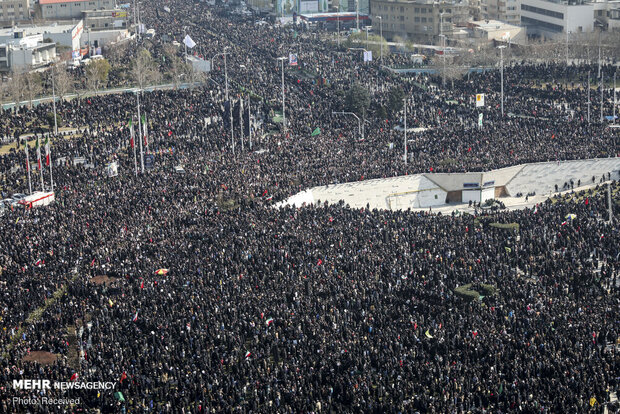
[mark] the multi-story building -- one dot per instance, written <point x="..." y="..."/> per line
<point x="14" y="11"/>
<point x="23" y="52"/>
<point x="66" y="37"/>
<point x="607" y="14"/>
<point x="105" y="19"/>
<point x="418" y="20"/>
<point x="548" y="18"/>
<point x="70" y="9"/>
<point x="507" y="11"/>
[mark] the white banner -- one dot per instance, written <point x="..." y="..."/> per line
<point x="189" y="42"/>
<point x="480" y="120"/>
<point x="367" y="55"/>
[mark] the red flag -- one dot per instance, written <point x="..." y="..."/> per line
<point x="123" y="377"/>
<point x="74" y="377"/>
<point x="92" y="263"/>
<point x="142" y="285"/>
<point x="587" y="201"/>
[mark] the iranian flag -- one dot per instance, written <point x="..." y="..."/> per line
<point x="135" y="317"/>
<point x="38" y="147"/>
<point x="131" y="141"/>
<point x="248" y="354"/>
<point x="47" y="151"/>
<point x="269" y="321"/>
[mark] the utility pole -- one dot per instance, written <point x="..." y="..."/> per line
<point x="357" y="14"/>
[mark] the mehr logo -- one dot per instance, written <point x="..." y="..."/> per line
<point x="30" y="384"/>
<point x="38" y="384"/>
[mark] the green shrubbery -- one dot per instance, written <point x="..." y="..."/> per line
<point x="473" y="291"/>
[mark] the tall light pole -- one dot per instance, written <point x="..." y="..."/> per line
<point x="443" y="37"/>
<point x="405" y="106"/>
<point x="232" y="132"/>
<point x="588" y="97"/>
<point x="54" y="101"/>
<point x="600" y="30"/>
<point x="615" y="102"/>
<point x="360" y="130"/>
<point x="501" y="52"/>
<point x="357" y="15"/>
<point x="140" y="133"/>
<point x="338" y="21"/>
<point x="381" y="33"/>
<point x="602" y="75"/>
<point x="281" y="59"/>
<point x="367" y="28"/>
<point x="567" y="47"/>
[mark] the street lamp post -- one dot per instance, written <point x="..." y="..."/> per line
<point x="381" y="33"/>
<point x="281" y="59"/>
<point x="501" y="52"/>
<point x="367" y="28"/>
<point x="360" y="130"/>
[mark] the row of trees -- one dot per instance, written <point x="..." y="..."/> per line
<point x="142" y="71"/>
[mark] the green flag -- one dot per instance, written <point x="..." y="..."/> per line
<point x="501" y="388"/>
<point x="508" y="249"/>
<point x="119" y="396"/>
<point x="316" y="132"/>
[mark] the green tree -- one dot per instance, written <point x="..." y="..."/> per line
<point x="357" y="100"/>
<point x="50" y="119"/>
<point x="395" y="101"/>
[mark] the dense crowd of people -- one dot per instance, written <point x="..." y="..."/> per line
<point x="316" y="309"/>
